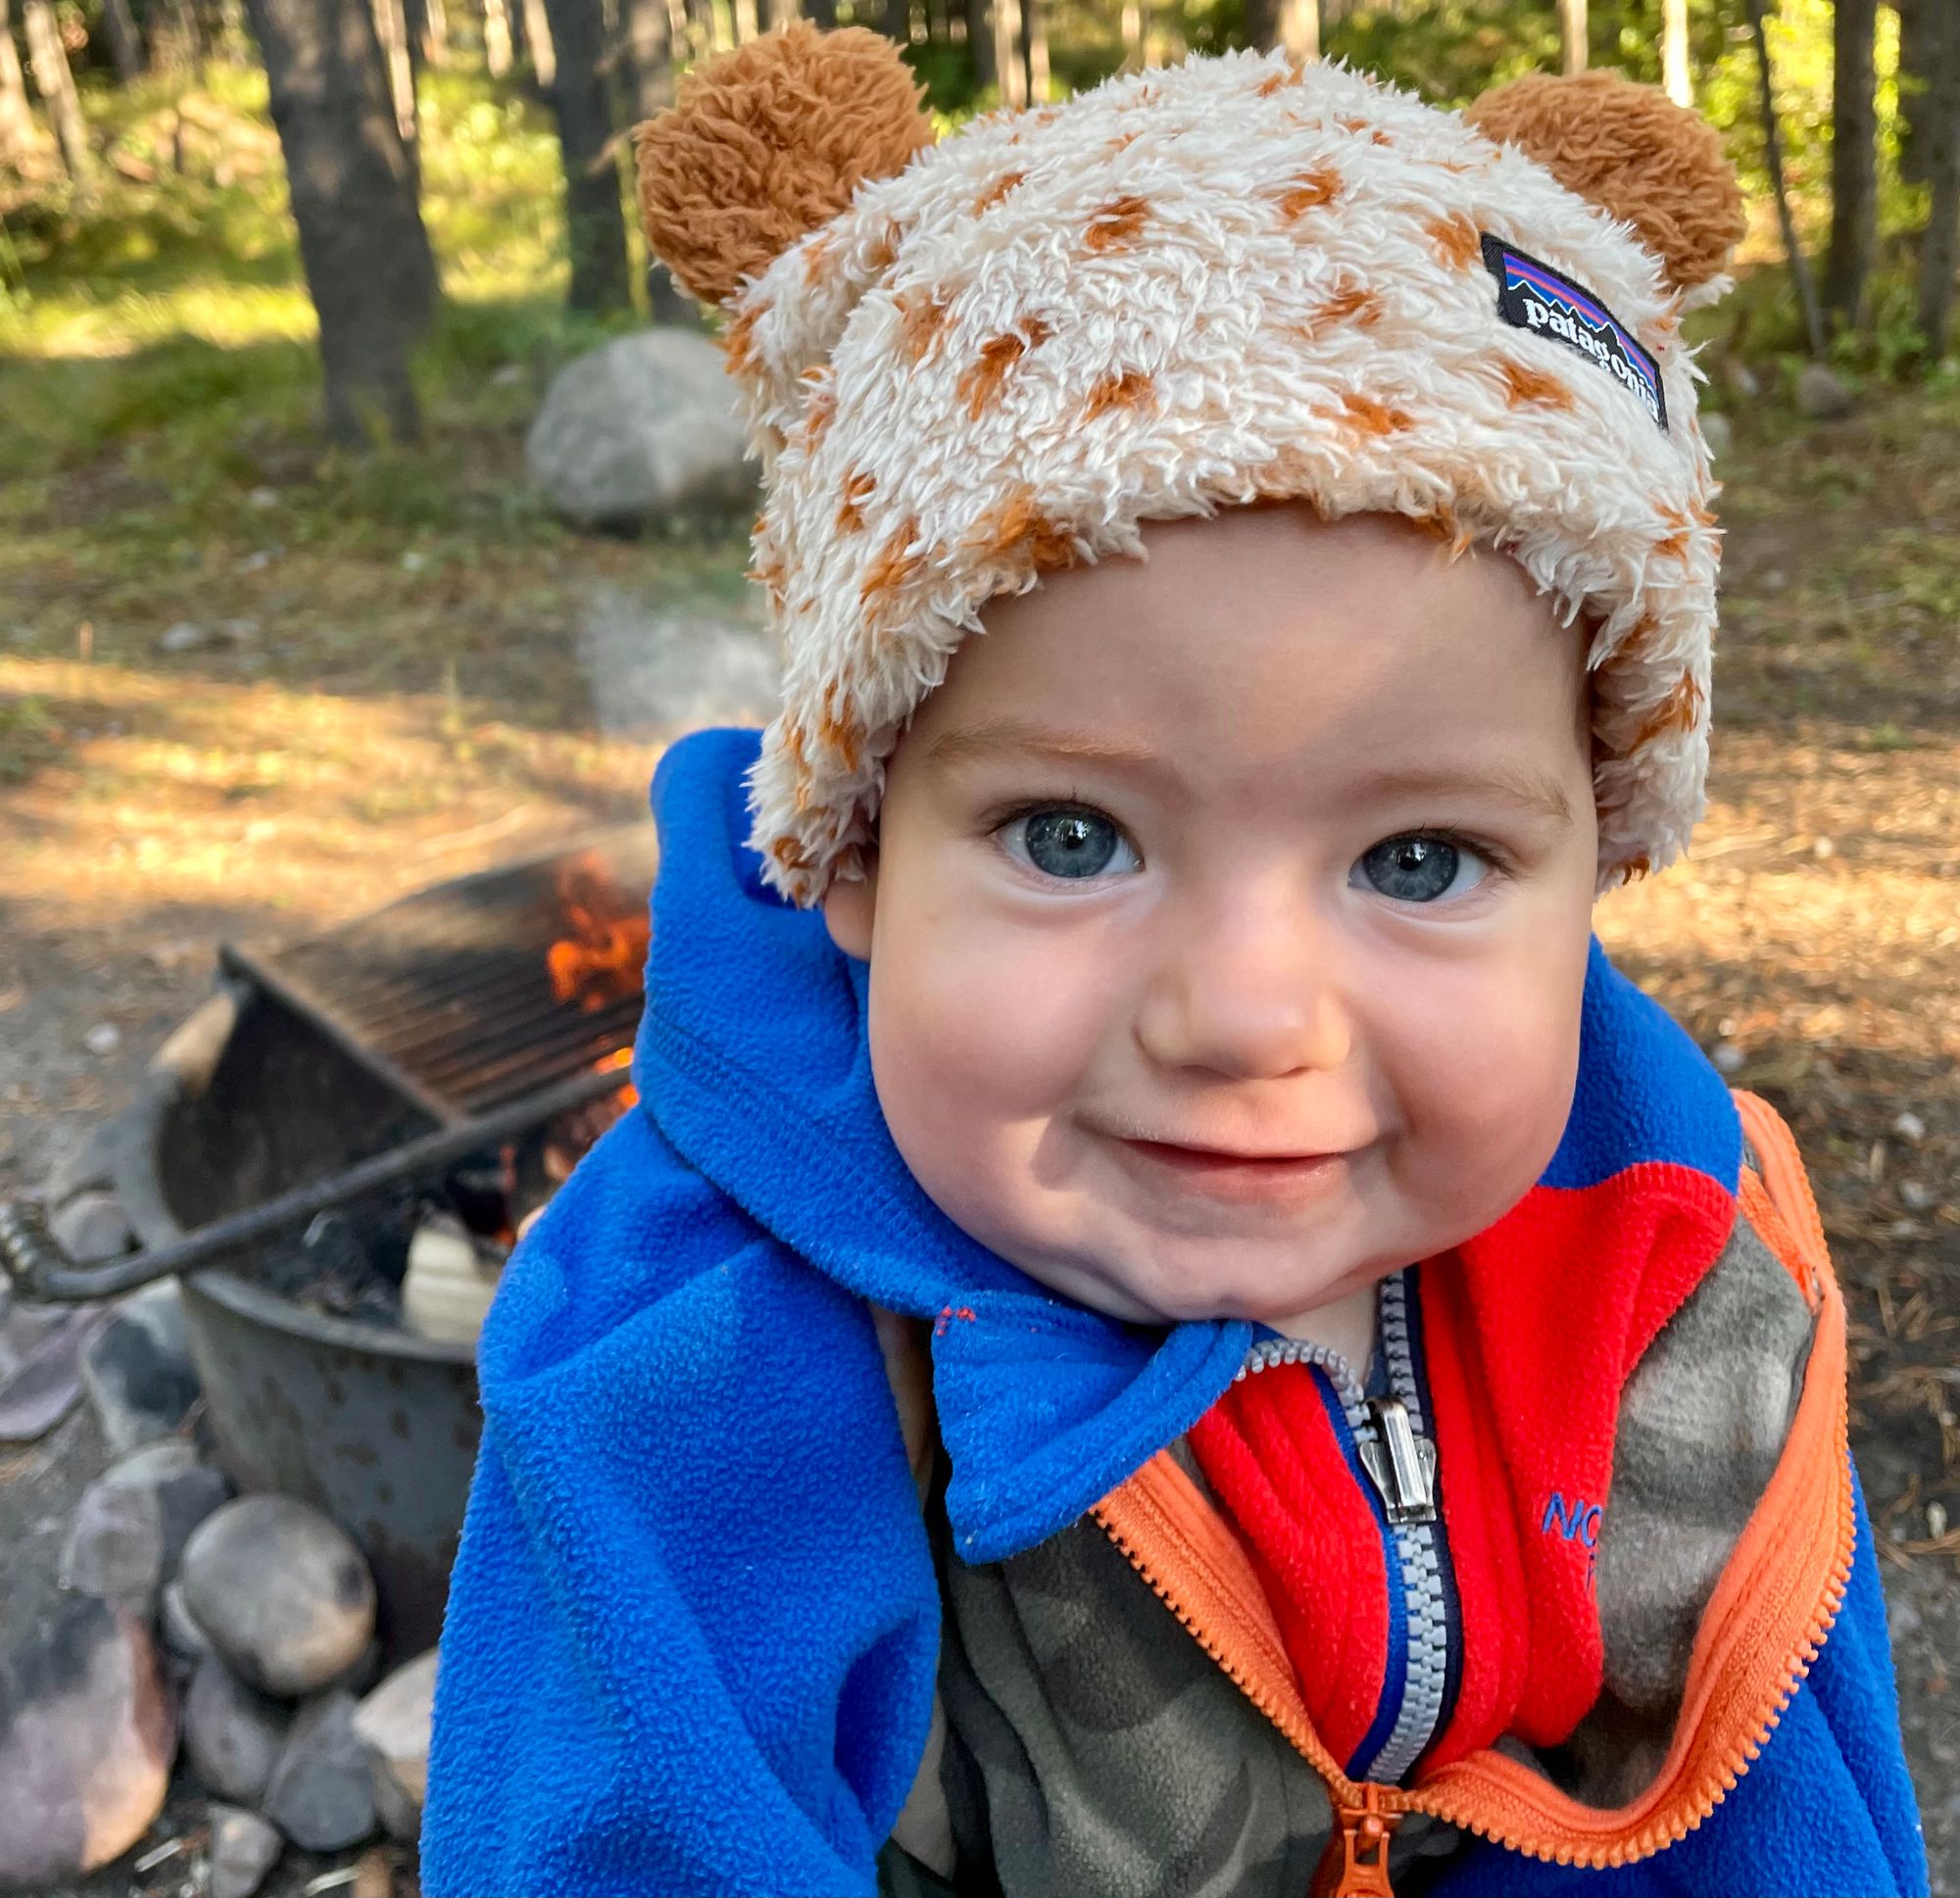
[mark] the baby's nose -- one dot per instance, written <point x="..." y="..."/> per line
<point x="1254" y="994"/>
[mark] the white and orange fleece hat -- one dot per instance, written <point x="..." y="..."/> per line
<point x="1235" y="281"/>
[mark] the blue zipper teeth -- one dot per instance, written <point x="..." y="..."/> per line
<point x="1427" y="1639"/>
<point x="1324" y="1358"/>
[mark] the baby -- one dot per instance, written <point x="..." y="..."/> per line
<point x="1187" y="1332"/>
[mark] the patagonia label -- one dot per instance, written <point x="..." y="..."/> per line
<point x="1533" y="295"/>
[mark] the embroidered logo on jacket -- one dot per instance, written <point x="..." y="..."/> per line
<point x="1532" y="295"/>
<point x="1577" y="1521"/>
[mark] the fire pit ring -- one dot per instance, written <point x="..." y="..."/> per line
<point x="376" y="1427"/>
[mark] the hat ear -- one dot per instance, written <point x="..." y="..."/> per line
<point x="767" y="142"/>
<point x="1632" y="152"/>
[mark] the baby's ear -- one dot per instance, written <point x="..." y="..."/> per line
<point x="1636" y="154"/>
<point x="767" y="142"/>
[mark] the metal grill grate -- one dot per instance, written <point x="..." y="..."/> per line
<point x="447" y="994"/>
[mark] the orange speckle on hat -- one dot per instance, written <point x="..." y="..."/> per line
<point x="1117" y="223"/>
<point x="899" y="560"/>
<point x="857" y="485"/>
<point x="1309" y="191"/>
<point x="1374" y="418"/>
<point x="1457" y="241"/>
<point x="1121" y="389"/>
<point x="1524" y="386"/>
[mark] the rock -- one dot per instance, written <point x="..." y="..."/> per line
<point x="1821" y="396"/>
<point x="640" y="429"/>
<point x="115" y="1547"/>
<point x="1915" y="1197"/>
<point x="86" y="1742"/>
<point x="86" y="1162"/>
<point x="47" y="1385"/>
<point x="93" y="1227"/>
<point x="233" y="1736"/>
<point x="1742" y="382"/>
<point x="139" y="1369"/>
<point x="393" y="1723"/>
<point x="400" y="1817"/>
<point x="186" y="636"/>
<point x="186" y="1490"/>
<point x="1726" y="1057"/>
<point x="1719" y="433"/>
<point x="284" y="1595"/>
<point x="105" y="1038"/>
<point x="243" y="1848"/>
<point x="321" y="1794"/>
<point x="1909" y="1127"/>
<point x="664" y="667"/>
<point x="178" y="1626"/>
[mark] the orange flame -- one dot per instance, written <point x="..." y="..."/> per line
<point x="599" y="960"/>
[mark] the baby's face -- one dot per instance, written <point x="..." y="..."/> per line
<point x="1229" y="920"/>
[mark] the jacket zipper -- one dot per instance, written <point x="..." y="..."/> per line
<point x="1354" y="1804"/>
<point x="1392" y="1445"/>
<point x="1410" y="1451"/>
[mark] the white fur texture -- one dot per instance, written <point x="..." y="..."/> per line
<point x="1188" y="289"/>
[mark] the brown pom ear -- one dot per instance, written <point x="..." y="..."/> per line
<point x="767" y="142"/>
<point x="1635" y="153"/>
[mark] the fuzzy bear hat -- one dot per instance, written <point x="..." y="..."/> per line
<point x="1235" y="281"/>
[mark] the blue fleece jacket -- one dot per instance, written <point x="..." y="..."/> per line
<point x="693" y="1629"/>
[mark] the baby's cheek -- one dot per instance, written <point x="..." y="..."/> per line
<point x="1487" y="1105"/>
<point x="973" y="1035"/>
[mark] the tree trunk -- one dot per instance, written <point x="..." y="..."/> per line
<point x="1300" y="29"/>
<point x="1009" y="67"/>
<point x="126" y="42"/>
<point x="391" y="30"/>
<point x="595" y="228"/>
<point x="1572" y="36"/>
<point x="746" y="28"/>
<point x="1034" y="49"/>
<point x="1940" y="249"/>
<point x="538" y="40"/>
<point x="648" y="28"/>
<point x="429" y="31"/>
<point x="1136" y="25"/>
<point x="1800" y="267"/>
<point x="1291" y="23"/>
<point x="980" y="44"/>
<point x="1674" y="53"/>
<point x="56" y="85"/>
<point x="19" y="134"/>
<point x="497" y="37"/>
<point x="1854" y="160"/>
<point x="353" y="185"/>
<point x="783" y="13"/>
<point x="1919" y="37"/>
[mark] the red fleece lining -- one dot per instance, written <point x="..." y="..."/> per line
<point x="1525" y="1386"/>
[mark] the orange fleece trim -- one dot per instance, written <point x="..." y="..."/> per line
<point x="1759" y="1634"/>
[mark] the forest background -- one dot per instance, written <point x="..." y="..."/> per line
<point x="286" y="631"/>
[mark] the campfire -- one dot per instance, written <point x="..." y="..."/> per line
<point x="463" y="1001"/>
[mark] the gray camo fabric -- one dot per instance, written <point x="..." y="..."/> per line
<point x="1086" y="1745"/>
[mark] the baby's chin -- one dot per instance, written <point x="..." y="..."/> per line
<point x="1181" y="1284"/>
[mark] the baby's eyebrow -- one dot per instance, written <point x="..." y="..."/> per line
<point x="992" y="737"/>
<point x="1531" y="790"/>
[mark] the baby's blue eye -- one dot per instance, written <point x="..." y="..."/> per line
<point x="1418" y="868"/>
<point x="1070" y="841"/>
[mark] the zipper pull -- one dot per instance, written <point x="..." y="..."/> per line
<point x="1355" y="1863"/>
<point x="1402" y="1464"/>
